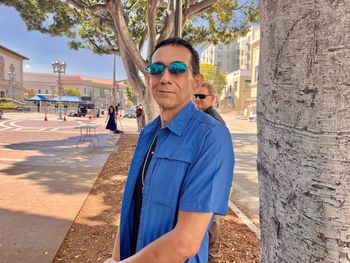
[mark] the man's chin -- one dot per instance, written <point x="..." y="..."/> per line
<point x="164" y="104"/>
<point x="199" y="107"/>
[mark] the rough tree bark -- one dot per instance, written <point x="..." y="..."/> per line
<point x="304" y="131"/>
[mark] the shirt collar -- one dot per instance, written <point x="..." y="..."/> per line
<point x="153" y="126"/>
<point x="209" y="109"/>
<point x="180" y="121"/>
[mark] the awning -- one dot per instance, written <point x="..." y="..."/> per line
<point x="75" y="99"/>
<point x="38" y="98"/>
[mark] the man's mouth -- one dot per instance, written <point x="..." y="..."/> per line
<point x="165" y="91"/>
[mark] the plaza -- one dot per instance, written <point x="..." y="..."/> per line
<point x="44" y="180"/>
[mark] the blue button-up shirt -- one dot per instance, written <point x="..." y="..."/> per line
<point x="191" y="170"/>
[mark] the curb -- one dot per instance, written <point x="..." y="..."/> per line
<point x="244" y="218"/>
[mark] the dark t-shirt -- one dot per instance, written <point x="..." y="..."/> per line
<point x="137" y="197"/>
<point x="212" y="112"/>
<point x="138" y="112"/>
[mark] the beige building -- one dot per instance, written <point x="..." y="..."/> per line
<point x="99" y="89"/>
<point x="241" y="88"/>
<point x="254" y="64"/>
<point x="245" y="47"/>
<point x="11" y="74"/>
<point x="237" y="90"/>
<point x="223" y="56"/>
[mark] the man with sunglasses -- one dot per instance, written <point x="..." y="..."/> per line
<point x="205" y="99"/>
<point x="181" y="171"/>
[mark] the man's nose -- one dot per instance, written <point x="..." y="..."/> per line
<point x="166" y="76"/>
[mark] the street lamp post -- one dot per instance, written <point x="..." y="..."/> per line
<point x="52" y="87"/>
<point x="114" y="101"/>
<point x="12" y="78"/>
<point x="178" y="18"/>
<point x="60" y="68"/>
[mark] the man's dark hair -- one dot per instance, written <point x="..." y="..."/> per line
<point x="181" y="42"/>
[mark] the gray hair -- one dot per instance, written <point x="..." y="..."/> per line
<point x="210" y="87"/>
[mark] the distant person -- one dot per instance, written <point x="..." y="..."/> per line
<point x="119" y="115"/>
<point x="111" y="117"/>
<point x="83" y="111"/>
<point x="204" y="99"/>
<point x="139" y="116"/>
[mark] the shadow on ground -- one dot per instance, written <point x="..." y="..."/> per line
<point x="59" y="165"/>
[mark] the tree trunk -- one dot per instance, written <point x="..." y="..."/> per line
<point x="304" y="131"/>
<point x="149" y="104"/>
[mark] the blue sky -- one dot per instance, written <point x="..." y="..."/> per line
<point x="42" y="49"/>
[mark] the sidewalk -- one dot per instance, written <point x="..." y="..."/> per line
<point x="44" y="180"/>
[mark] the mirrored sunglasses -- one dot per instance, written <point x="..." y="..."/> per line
<point x="175" y="68"/>
<point x="201" y="96"/>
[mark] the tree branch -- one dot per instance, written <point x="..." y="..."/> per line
<point x="169" y="23"/>
<point x="197" y="9"/>
<point x="151" y="22"/>
<point x="97" y="7"/>
<point x="143" y="38"/>
<point x="116" y="11"/>
<point x="78" y="4"/>
<point x="130" y="68"/>
<point x="241" y="6"/>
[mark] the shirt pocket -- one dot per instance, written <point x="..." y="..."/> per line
<point x="169" y="173"/>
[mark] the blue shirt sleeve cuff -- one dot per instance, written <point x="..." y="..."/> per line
<point x="217" y="209"/>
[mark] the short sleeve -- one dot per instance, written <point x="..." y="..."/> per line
<point x="207" y="185"/>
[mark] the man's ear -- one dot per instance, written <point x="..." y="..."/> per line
<point x="198" y="79"/>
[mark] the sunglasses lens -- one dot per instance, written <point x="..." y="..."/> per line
<point x="200" y="96"/>
<point x="155" y="69"/>
<point x="177" y="68"/>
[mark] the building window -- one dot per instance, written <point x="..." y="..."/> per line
<point x="84" y="91"/>
<point x="221" y="46"/>
<point x="39" y="91"/>
<point x="46" y="92"/>
<point x="235" y="86"/>
<point x="2" y="67"/>
<point x="12" y="68"/>
<point x="248" y="81"/>
<point x="256" y="73"/>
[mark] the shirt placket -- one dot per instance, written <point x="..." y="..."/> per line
<point x="146" y="189"/>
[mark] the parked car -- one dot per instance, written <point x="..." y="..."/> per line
<point x="129" y="113"/>
<point x="21" y="108"/>
<point x="252" y="117"/>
